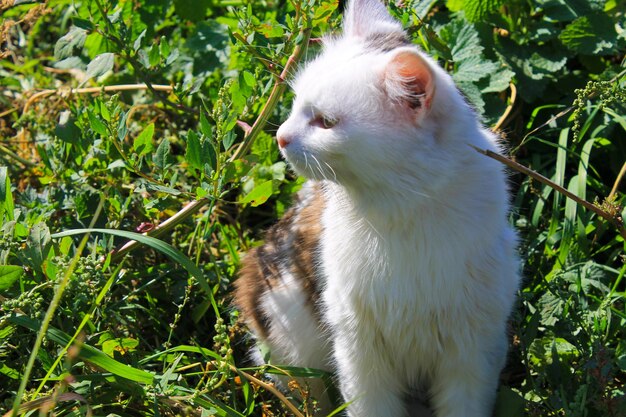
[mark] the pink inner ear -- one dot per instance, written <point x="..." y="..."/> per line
<point x="413" y="74"/>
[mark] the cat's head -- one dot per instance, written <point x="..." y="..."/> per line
<point x="371" y="108"/>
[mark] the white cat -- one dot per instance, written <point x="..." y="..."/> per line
<point x="396" y="268"/>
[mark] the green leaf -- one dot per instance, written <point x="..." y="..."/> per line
<point x="209" y="156"/>
<point x="88" y="353"/>
<point x="7" y="206"/>
<point x="477" y="10"/>
<point x="465" y="39"/>
<point x="83" y="24"/>
<point x="499" y="80"/>
<point x="591" y="35"/>
<point x="271" y="29"/>
<point x="100" y="65"/>
<point x="259" y="194"/>
<point x="154" y="55"/>
<point x="143" y="142"/>
<point x="193" y="152"/>
<point x="473" y="69"/>
<point x="73" y="39"/>
<point x="96" y="124"/>
<point x="205" y="126"/>
<point x="8" y="275"/>
<point x="161" y="157"/>
<point x="9" y="372"/>
<point x="121" y="345"/>
<point x="39" y="244"/>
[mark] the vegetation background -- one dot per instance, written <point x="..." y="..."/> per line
<point x="156" y="117"/>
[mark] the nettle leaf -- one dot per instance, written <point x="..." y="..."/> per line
<point x="465" y="39"/>
<point x="473" y="69"/>
<point x="472" y="94"/>
<point x="591" y="35"/>
<point x="477" y="10"/>
<point x="65" y="46"/>
<point x="100" y="65"/>
<point x="566" y="10"/>
<point x="498" y="81"/>
<point x="143" y="142"/>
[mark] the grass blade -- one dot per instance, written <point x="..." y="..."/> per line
<point x="88" y="353"/>
<point x="159" y="245"/>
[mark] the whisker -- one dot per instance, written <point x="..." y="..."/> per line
<point x="332" y="170"/>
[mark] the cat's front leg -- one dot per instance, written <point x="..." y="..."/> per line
<point x="465" y="382"/>
<point x="366" y="377"/>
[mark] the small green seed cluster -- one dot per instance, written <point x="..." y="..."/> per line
<point x="221" y="339"/>
<point x="221" y="111"/>
<point x="607" y="92"/>
<point x="30" y="303"/>
<point x="222" y="346"/>
<point x="84" y="284"/>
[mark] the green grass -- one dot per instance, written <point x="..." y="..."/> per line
<point x="120" y="117"/>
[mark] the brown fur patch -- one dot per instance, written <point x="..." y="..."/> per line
<point x="292" y="244"/>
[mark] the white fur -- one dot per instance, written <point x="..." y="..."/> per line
<point x="419" y="260"/>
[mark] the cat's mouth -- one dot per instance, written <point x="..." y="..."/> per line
<point x="308" y="165"/>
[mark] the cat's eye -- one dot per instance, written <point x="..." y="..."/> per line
<point x="325" y="122"/>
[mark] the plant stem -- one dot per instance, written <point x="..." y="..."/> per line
<point x="89" y="90"/>
<point x="617" y="222"/>
<point x="617" y="182"/>
<point x="269" y="388"/>
<point x="10" y="153"/>
<point x="277" y="91"/>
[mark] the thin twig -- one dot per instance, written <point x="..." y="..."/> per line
<point x="277" y="91"/>
<point x="269" y="65"/>
<point x="617" y="182"/>
<point x="11" y="154"/>
<point x="617" y="222"/>
<point x="179" y="217"/>
<point x="508" y="109"/>
<point x="269" y="388"/>
<point x="91" y="90"/>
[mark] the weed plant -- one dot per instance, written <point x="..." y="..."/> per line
<point x="137" y="164"/>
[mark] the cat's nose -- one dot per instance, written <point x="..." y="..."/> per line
<point x="282" y="139"/>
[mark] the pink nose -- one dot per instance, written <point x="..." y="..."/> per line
<point x="282" y="140"/>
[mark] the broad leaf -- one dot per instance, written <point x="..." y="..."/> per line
<point x="8" y="275"/>
<point x="143" y="142"/>
<point x="73" y="39"/>
<point x="100" y="65"/>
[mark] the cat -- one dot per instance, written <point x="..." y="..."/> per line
<point x="396" y="268"/>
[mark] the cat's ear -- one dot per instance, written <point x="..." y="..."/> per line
<point x="409" y="79"/>
<point x="364" y="18"/>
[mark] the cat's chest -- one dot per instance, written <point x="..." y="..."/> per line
<point x="395" y="270"/>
